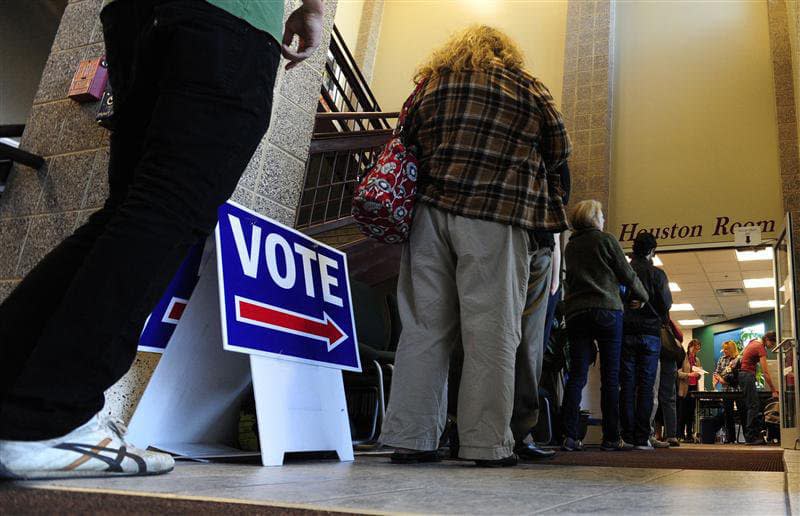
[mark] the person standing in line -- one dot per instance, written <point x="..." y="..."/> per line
<point x="537" y="321"/>
<point x="641" y="345"/>
<point x="688" y="380"/>
<point x="754" y="355"/>
<point x="481" y="126"/>
<point x="596" y="267"/>
<point x="192" y="84"/>
<point x="664" y="396"/>
<point x="727" y="360"/>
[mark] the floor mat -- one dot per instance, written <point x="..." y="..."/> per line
<point x="719" y="458"/>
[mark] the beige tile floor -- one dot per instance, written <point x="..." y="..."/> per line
<point x="372" y="484"/>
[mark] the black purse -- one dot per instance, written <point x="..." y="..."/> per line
<point x="731" y="372"/>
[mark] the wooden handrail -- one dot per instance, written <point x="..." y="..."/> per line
<point x="361" y="80"/>
<point x="356" y="140"/>
<point x="21" y="156"/>
<point x="357" y="115"/>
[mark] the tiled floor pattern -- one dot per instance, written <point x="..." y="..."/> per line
<point x="372" y="484"/>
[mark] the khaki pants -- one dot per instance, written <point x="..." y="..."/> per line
<point x="530" y="354"/>
<point x="466" y="278"/>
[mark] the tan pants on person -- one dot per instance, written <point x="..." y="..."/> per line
<point x="458" y="277"/>
<point x="530" y="354"/>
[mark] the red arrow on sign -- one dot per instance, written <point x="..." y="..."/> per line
<point x="267" y="316"/>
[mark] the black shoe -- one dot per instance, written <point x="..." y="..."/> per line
<point x="571" y="444"/>
<point x="619" y="445"/>
<point x="414" y="457"/>
<point x="505" y="462"/>
<point x="529" y="451"/>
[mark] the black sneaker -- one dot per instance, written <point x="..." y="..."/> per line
<point x="402" y="456"/>
<point x="571" y="444"/>
<point x="619" y="445"/>
<point x="505" y="462"/>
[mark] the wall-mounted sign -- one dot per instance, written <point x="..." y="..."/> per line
<point x="721" y="227"/>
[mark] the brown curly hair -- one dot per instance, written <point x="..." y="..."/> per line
<point x="474" y="48"/>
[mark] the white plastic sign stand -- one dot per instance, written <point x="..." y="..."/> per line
<point x="191" y="405"/>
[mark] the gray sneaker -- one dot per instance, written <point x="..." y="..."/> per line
<point x="655" y="443"/>
<point x="96" y="449"/>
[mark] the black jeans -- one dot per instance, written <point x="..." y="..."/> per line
<point x="639" y="366"/>
<point x="750" y="409"/>
<point x="584" y="329"/>
<point x="193" y="95"/>
<point x="686" y="414"/>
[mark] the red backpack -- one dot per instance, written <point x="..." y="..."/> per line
<point x="384" y="198"/>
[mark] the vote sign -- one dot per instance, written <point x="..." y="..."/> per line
<point x="164" y="318"/>
<point x="283" y="294"/>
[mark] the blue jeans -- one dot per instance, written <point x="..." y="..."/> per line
<point x="583" y="329"/>
<point x="639" y="366"/>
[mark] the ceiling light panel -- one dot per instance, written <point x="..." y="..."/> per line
<point x="752" y="256"/>
<point x="759" y="283"/>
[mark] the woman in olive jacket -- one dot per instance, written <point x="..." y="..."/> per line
<point x="596" y="267"/>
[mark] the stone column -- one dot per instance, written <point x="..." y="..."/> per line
<point x="785" y="49"/>
<point x="588" y="72"/>
<point x="40" y="208"/>
<point x="369" y="32"/>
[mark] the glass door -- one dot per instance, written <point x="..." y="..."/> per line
<point x="786" y="319"/>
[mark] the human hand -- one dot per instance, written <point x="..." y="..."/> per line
<point x="305" y="22"/>
<point x="635" y="304"/>
<point x="775" y="394"/>
<point x="694" y="375"/>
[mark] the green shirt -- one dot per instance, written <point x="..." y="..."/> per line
<point x="266" y="15"/>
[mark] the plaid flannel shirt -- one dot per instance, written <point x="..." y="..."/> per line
<point x="489" y="145"/>
<point x="723" y="362"/>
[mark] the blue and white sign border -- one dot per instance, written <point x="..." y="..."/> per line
<point x="226" y="345"/>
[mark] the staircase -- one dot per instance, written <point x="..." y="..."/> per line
<point x="350" y="129"/>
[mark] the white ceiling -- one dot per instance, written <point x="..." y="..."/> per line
<point x="700" y="273"/>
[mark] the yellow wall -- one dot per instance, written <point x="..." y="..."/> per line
<point x="412" y="29"/>
<point x="695" y="129"/>
<point x="348" y="21"/>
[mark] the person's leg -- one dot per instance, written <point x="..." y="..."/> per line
<point x="689" y="408"/>
<point x="528" y="367"/>
<point x="581" y="353"/>
<point x="216" y="75"/>
<point x="39" y="294"/>
<point x="654" y="412"/>
<point x="646" y="369"/>
<point x="552" y="303"/>
<point x="730" y="428"/>
<point x="666" y="397"/>
<point x="750" y="404"/>
<point x="631" y="345"/>
<point x="492" y="272"/>
<point x="428" y="304"/>
<point x="608" y="331"/>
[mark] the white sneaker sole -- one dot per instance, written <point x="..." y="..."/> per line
<point x="5" y="474"/>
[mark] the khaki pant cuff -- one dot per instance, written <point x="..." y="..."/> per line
<point x="480" y="453"/>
